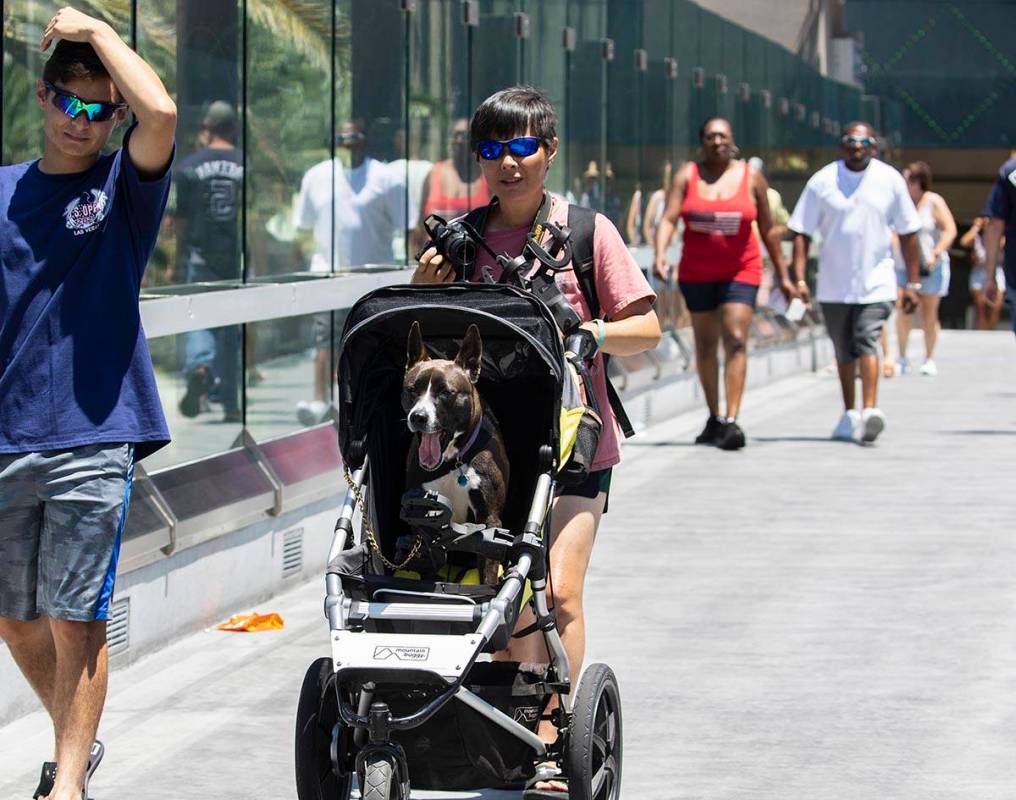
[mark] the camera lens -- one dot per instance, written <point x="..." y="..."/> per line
<point x="461" y="249"/>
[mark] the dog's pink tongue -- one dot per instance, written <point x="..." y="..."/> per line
<point x="430" y="450"/>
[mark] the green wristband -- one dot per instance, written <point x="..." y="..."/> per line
<point x="601" y="332"/>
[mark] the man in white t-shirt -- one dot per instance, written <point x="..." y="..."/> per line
<point x="363" y="206"/>
<point x="854" y="205"/>
<point x="360" y="209"/>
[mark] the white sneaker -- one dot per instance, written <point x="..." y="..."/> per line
<point x="902" y="366"/>
<point x="311" y="413"/>
<point x="873" y="423"/>
<point x="848" y="429"/>
<point x="929" y="368"/>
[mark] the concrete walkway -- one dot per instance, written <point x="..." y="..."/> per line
<point x="799" y="621"/>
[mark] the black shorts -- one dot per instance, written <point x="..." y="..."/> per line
<point x="595" y="482"/>
<point x="855" y="328"/>
<point x="710" y="295"/>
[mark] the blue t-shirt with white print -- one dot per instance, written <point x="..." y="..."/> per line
<point x="74" y="364"/>
<point x="1002" y="205"/>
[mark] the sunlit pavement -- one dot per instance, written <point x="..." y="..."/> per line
<point x="802" y="620"/>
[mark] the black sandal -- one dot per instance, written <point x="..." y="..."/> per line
<point x="48" y="776"/>
<point x="46" y="780"/>
<point x="94" y="759"/>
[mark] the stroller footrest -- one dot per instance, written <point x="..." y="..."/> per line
<point x="420" y="612"/>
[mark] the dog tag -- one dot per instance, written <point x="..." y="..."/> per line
<point x="463" y="480"/>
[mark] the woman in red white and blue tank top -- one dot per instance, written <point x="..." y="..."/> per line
<point x="719" y="198"/>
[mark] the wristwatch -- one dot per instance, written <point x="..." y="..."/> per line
<point x="914" y="285"/>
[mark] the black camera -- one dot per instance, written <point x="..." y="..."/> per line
<point x="457" y="241"/>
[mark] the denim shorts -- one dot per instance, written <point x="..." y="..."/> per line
<point x="710" y="295"/>
<point x="935" y="283"/>
<point x="62" y="515"/>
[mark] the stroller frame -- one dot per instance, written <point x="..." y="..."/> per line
<point x="448" y="657"/>
<point x="383" y="679"/>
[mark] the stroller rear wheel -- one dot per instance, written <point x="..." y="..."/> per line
<point x="593" y="752"/>
<point x="317" y="714"/>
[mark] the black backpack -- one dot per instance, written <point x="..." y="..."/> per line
<point x="582" y="223"/>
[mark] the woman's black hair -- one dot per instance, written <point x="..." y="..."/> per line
<point x="511" y="112"/>
<point x="708" y="122"/>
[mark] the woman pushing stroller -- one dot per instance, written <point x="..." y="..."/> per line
<point x="513" y="136"/>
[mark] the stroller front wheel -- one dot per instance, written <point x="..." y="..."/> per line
<point x="378" y="780"/>
<point x="317" y="714"/>
<point x="593" y="753"/>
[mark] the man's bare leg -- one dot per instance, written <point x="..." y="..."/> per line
<point x="848" y="374"/>
<point x="32" y="648"/>
<point x="82" y="665"/>
<point x="869" y="380"/>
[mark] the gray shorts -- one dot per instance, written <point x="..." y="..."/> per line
<point x="855" y="328"/>
<point x="62" y="514"/>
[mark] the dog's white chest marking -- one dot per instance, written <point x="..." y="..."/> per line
<point x="457" y="494"/>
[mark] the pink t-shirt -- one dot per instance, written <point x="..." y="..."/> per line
<point x="619" y="283"/>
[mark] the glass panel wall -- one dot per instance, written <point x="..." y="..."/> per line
<point x="197" y="49"/>
<point x="443" y="176"/>
<point x="289" y="372"/>
<point x="314" y="136"/>
<point x="362" y="192"/>
<point x="199" y="378"/>
<point x="289" y="124"/>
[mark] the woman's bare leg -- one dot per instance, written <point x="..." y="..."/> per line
<point x="573" y="530"/>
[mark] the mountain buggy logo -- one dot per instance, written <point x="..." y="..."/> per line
<point x="86" y="211"/>
<point x="401" y="653"/>
<point x="526" y="714"/>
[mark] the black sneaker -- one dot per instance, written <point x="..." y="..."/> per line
<point x="710" y="432"/>
<point x="731" y="437"/>
<point x="197" y="388"/>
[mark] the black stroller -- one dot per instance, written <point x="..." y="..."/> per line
<point x="410" y="694"/>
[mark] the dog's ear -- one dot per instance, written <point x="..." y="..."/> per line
<point x="471" y="353"/>
<point x="416" y="351"/>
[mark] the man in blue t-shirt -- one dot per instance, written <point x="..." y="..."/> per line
<point x="1001" y="214"/>
<point x="79" y="400"/>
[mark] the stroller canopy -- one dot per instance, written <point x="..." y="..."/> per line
<point x="521" y="376"/>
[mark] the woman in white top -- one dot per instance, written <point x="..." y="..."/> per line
<point x="986" y="310"/>
<point x="938" y="230"/>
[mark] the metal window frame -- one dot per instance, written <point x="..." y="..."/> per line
<point x="173" y="314"/>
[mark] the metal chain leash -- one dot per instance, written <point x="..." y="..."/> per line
<point x="369" y="530"/>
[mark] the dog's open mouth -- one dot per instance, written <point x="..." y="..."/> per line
<point x="430" y="450"/>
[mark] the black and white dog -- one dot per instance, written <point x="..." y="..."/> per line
<point x="457" y="449"/>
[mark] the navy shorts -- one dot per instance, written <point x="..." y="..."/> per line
<point x="596" y="482"/>
<point x="710" y="295"/>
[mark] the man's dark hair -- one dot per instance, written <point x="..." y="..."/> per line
<point x="710" y="121"/>
<point x="71" y="61"/>
<point x="857" y="123"/>
<point x="511" y="112"/>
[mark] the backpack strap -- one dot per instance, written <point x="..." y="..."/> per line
<point x="582" y="222"/>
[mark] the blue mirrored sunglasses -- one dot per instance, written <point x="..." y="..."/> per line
<point x="491" y="149"/>
<point x="864" y="141"/>
<point x="72" y="105"/>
